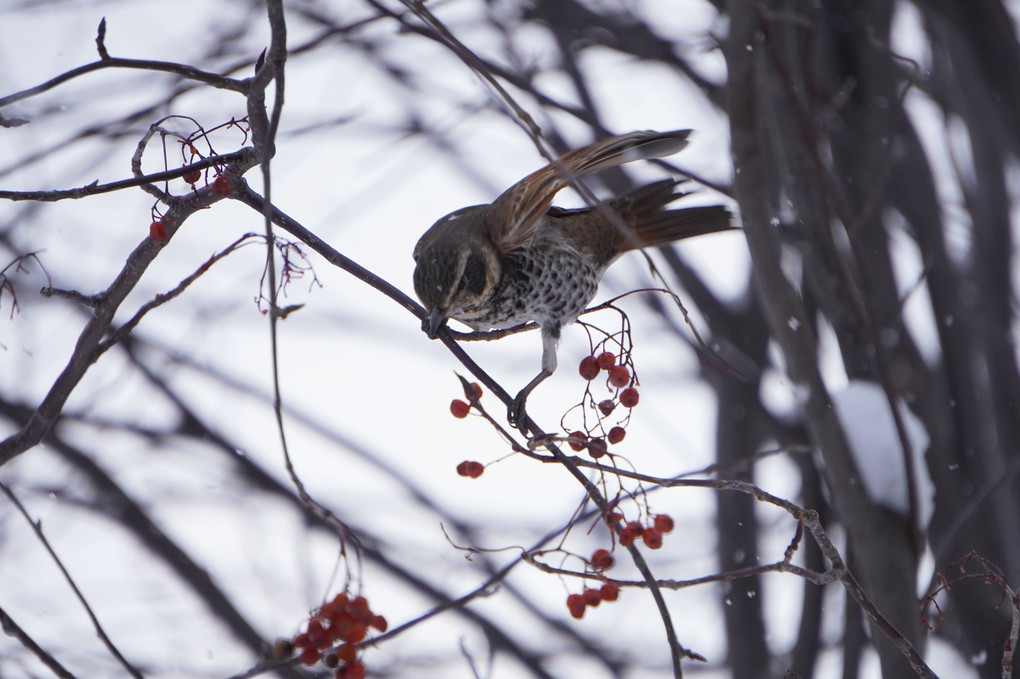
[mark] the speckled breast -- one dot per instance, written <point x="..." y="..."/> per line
<point x="548" y="285"/>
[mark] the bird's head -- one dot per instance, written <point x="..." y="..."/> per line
<point x="456" y="267"/>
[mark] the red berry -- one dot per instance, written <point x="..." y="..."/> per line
<point x="301" y="641"/>
<point x="328" y="611"/>
<point x="470" y="468"/>
<point x="459" y="409"/>
<point x="589" y="368"/>
<point x="221" y="187"/>
<point x="359" y="608"/>
<point x="316" y="633"/>
<point x="607" y="407"/>
<point x="619" y="376"/>
<point x="193" y="176"/>
<point x="355" y="633"/>
<point x="597" y="448"/>
<point x="616" y="435"/>
<point x="379" y="623"/>
<point x="630" y="532"/>
<point x="601" y="560"/>
<point x="353" y="671"/>
<point x="610" y="591"/>
<point x="581" y="443"/>
<point x="664" y="523"/>
<point x="576" y="605"/>
<point x="157" y="231"/>
<point x="652" y="537"/>
<point x="477" y="388"/>
<point x="347" y="653"/>
<point x="629" y="397"/>
<point x="309" y="657"/>
<point x="592" y="597"/>
<point x="606" y="360"/>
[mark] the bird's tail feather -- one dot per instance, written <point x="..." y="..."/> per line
<point x="654" y="226"/>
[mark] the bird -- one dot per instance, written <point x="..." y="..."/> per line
<point x="520" y="259"/>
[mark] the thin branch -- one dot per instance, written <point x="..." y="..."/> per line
<point x="183" y="70"/>
<point x="37" y="529"/>
<point x="11" y="629"/>
<point x="95" y="188"/>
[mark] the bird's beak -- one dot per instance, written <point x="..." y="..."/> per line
<point x="434" y="322"/>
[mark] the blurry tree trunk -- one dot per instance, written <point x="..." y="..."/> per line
<point x="825" y="157"/>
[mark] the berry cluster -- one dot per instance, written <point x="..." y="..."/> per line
<point x="651" y="535"/>
<point x="459" y="408"/>
<point x="601" y="560"/>
<point x="343" y="620"/>
<point x="619" y="378"/>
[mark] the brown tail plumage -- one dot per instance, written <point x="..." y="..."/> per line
<point x="653" y="226"/>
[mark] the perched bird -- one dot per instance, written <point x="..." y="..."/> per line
<point x="519" y="259"/>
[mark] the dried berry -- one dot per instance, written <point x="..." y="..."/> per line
<point x="663" y="523"/>
<point x="606" y="360"/>
<point x="221" y="186"/>
<point x="471" y="469"/>
<point x="589" y="368"/>
<point x="619" y="376"/>
<point x="580" y="443"/>
<point x="601" y="560"/>
<point x="629" y="397"/>
<point x="630" y="533"/>
<point x="158" y="231"/>
<point x="610" y="591"/>
<point x="576" y="605"/>
<point x="652" y="537"/>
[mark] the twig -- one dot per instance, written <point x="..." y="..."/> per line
<point x="37" y="528"/>
<point x="95" y="188"/>
<point x="11" y="629"/>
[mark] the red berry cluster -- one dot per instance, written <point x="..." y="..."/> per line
<point x="460" y="409"/>
<point x="345" y="620"/>
<point x="620" y="378"/>
<point x="591" y="366"/>
<point x="601" y="560"/>
<point x="651" y="535"/>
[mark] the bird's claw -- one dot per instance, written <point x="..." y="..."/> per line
<point x="516" y="415"/>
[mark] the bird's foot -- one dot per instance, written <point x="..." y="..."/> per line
<point x="516" y="415"/>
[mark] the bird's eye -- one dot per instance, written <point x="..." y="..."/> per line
<point x="473" y="278"/>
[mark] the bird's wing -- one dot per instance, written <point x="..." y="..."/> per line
<point x="526" y="201"/>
